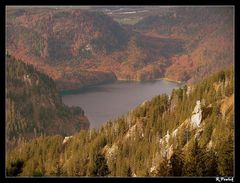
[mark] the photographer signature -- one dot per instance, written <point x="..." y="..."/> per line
<point x="220" y="179"/>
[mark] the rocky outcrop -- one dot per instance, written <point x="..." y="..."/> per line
<point x="197" y="114"/>
<point x="110" y="152"/>
<point x="66" y="139"/>
<point x="135" y="130"/>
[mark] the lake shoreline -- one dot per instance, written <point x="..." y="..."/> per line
<point x="104" y="102"/>
<point x="76" y="91"/>
<point x="157" y="79"/>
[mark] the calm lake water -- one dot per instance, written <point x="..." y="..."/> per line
<point x="108" y="101"/>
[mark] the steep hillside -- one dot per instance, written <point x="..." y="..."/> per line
<point x="189" y="133"/>
<point x="201" y="28"/>
<point x="78" y="47"/>
<point x="47" y="38"/>
<point x="63" y="35"/>
<point x="34" y="107"/>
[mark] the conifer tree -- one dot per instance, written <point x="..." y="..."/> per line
<point x="100" y="167"/>
<point x="15" y="168"/>
<point x="57" y="169"/>
<point x="225" y="158"/>
<point x="189" y="167"/>
<point x="211" y="164"/>
<point x="129" y="172"/>
<point x="176" y="163"/>
<point x="164" y="168"/>
<point x="201" y="159"/>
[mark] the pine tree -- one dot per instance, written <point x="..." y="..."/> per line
<point x="176" y="163"/>
<point x="100" y="167"/>
<point x="189" y="167"/>
<point x="129" y="172"/>
<point x="16" y="168"/>
<point x="164" y="168"/>
<point x="211" y="164"/>
<point x="201" y="158"/>
<point x="57" y="169"/>
<point x="225" y="158"/>
<point x="198" y="161"/>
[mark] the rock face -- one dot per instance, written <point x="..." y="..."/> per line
<point x="67" y="139"/>
<point x="111" y="151"/>
<point x="197" y="114"/>
<point x="167" y="137"/>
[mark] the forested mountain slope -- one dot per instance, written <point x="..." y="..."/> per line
<point x="78" y="47"/>
<point x="34" y="107"/>
<point x="208" y="36"/>
<point x="190" y="133"/>
<point x="49" y="37"/>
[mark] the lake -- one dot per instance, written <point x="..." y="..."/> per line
<point x="108" y="101"/>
